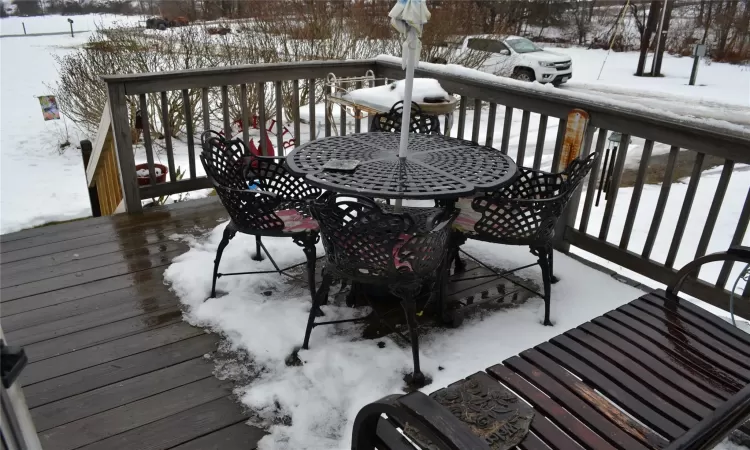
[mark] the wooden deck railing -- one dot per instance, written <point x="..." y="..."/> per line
<point x="208" y="95"/>
<point x="102" y="172"/>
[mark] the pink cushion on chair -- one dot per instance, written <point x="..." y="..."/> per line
<point x="294" y="222"/>
<point x="467" y="218"/>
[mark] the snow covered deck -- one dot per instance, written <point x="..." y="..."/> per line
<point x="113" y="365"/>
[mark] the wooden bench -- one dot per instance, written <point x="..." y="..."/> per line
<point x="656" y="373"/>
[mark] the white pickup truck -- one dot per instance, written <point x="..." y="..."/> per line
<point x="519" y="58"/>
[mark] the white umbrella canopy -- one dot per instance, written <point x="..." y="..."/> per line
<point x="409" y="17"/>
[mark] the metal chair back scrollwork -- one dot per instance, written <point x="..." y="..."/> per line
<point x="526" y="212"/>
<point x="262" y="199"/>
<point x="367" y="245"/>
<point x="419" y="121"/>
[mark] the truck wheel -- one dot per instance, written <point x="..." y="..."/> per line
<point x="439" y="60"/>
<point x="523" y="74"/>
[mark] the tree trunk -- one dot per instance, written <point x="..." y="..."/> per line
<point x="653" y="14"/>
<point x="707" y="23"/>
<point x="663" y="41"/>
<point x="591" y="10"/>
<point x="699" y="19"/>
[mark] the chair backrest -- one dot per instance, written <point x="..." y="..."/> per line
<point x="526" y="211"/>
<point x="419" y="122"/>
<point x="363" y="241"/>
<point x="249" y="209"/>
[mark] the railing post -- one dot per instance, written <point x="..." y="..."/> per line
<point x="124" y="147"/>
<point x="86" y="149"/>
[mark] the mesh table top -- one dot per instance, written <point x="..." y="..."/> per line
<point x="436" y="166"/>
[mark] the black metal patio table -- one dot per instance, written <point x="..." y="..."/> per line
<point x="436" y="167"/>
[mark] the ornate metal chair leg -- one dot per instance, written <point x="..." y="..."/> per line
<point x="308" y="246"/>
<point x="551" y="252"/>
<point x="407" y="293"/>
<point x="318" y="298"/>
<point x="258" y="256"/>
<point x="546" y="277"/>
<point x="229" y="233"/>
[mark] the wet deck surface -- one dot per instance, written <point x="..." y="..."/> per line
<point x="112" y="364"/>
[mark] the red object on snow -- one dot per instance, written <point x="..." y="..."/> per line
<point x="145" y="181"/>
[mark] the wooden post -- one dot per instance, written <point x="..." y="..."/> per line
<point x="86" y="150"/>
<point x="124" y="147"/>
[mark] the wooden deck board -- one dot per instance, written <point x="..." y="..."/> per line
<point x="112" y="365"/>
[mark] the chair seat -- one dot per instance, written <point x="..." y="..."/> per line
<point x="296" y="222"/>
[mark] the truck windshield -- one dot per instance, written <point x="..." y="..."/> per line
<point x="523" y="45"/>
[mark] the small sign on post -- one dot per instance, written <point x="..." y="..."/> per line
<point x="699" y="50"/>
<point x="49" y="107"/>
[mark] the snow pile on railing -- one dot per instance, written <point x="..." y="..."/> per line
<point x="713" y="116"/>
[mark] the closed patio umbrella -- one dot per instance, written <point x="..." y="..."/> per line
<point x="408" y="17"/>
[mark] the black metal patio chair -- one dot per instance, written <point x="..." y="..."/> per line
<point x="419" y="121"/>
<point x="525" y="212"/>
<point x="262" y="199"/>
<point x="367" y="245"/>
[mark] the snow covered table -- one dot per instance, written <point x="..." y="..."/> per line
<point x="437" y="167"/>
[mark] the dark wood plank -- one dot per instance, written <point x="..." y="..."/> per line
<point x="676" y="323"/>
<point x="704" y="317"/>
<point x="656" y="366"/>
<point x="85" y="229"/>
<point x="95" y="288"/>
<point x="181" y="428"/>
<point x="685" y="358"/>
<point x="108" y="397"/>
<point x="127" y="300"/>
<point x="687" y="342"/>
<point x="83" y="339"/>
<point x="133" y="415"/>
<point x="658" y="421"/>
<point x="99" y="316"/>
<point x="641" y="390"/>
<point x="109" y="351"/>
<point x="237" y="436"/>
<point x="77" y="264"/>
<point x="583" y="412"/>
<point x="632" y="367"/>
<point x="531" y="442"/>
<point x="551" y="435"/>
<point x="118" y="370"/>
<point x="550" y="408"/>
<point x="51" y="285"/>
<point x="594" y="399"/>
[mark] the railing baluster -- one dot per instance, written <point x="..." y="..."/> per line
<point x="593" y="176"/>
<point x="295" y="112"/>
<point x="687" y="204"/>
<point x="614" y="186"/>
<point x="476" y="121"/>
<point x="558" y="145"/>
<point x="739" y="234"/>
<point x="342" y="119"/>
<point x="311" y="106"/>
<point x="636" y="198"/>
<point x="205" y="109"/>
<point x="522" y="138"/>
<point x="357" y="113"/>
<point x="328" y="113"/>
<point x="713" y="211"/>
<point x="147" y="139"/>
<point x="491" y="117"/>
<point x="507" y="122"/>
<point x="167" y="136"/>
<point x="279" y="121"/>
<point x="661" y="202"/>
<point x="461" y="118"/>
<point x="541" y="135"/>
<point x="261" y="87"/>
<point x="189" y="130"/>
<point x="225" y="112"/>
<point x="245" y="116"/>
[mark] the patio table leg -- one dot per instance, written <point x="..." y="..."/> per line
<point x="407" y="293"/>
